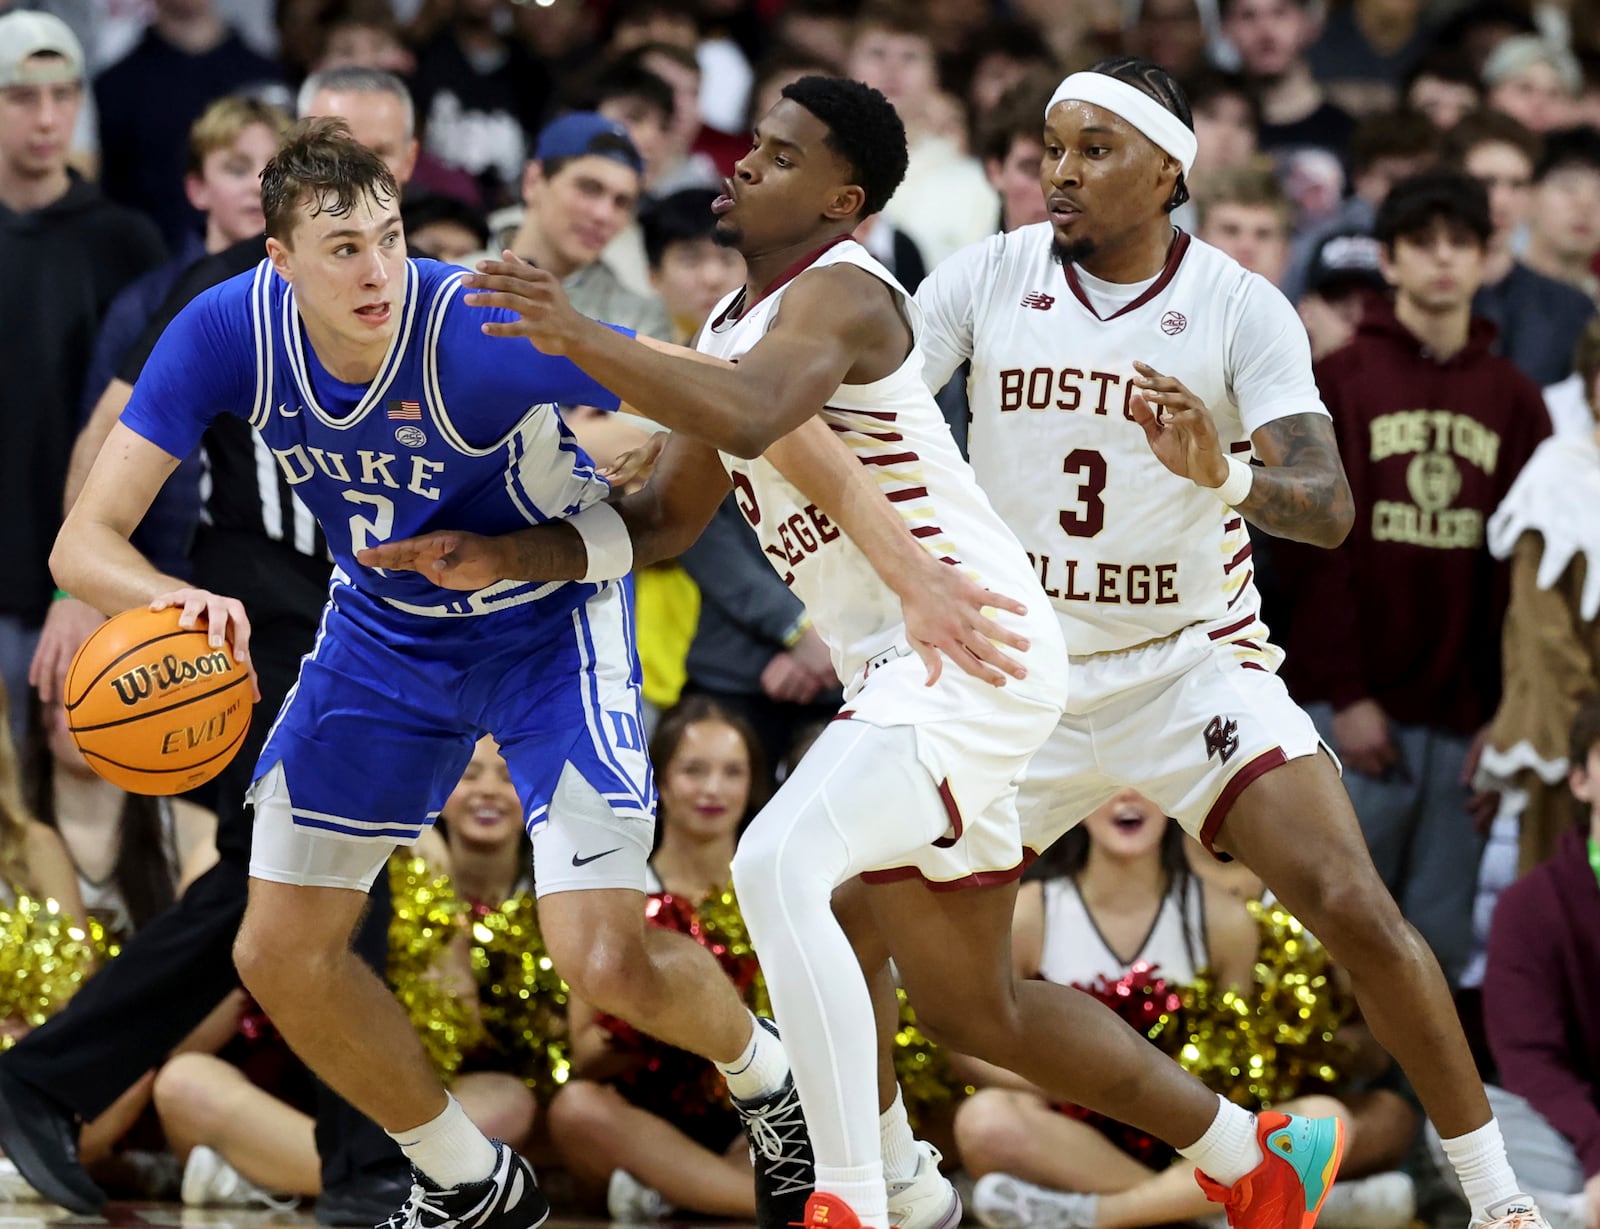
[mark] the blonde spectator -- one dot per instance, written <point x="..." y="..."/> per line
<point x="1533" y="81"/>
<point x="1245" y="213"/>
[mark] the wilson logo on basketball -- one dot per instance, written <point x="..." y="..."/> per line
<point x="171" y="671"/>
<point x="1174" y="323"/>
<point x="188" y="737"/>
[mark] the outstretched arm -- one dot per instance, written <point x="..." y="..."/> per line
<point x="1300" y="492"/>
<point x="663" y="518"/>
<point x="943" y="607"/>
<point x="945" y="610"/>
<point x="831" y="318"/>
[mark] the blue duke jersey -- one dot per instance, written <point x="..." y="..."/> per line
<point x="457" y="431"/>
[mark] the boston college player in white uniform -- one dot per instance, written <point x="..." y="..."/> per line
<point x="915" y="790"/>
<point x="1123" y="375"/>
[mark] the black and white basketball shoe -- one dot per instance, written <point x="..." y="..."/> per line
<point x="509" y="1198"/>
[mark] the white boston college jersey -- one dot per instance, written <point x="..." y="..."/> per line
<point x="895" y="429"/>
<point x="1127" y="551"/>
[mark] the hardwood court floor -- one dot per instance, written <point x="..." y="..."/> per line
<point x="18" y="1215"/>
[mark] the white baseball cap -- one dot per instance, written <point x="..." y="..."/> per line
<point x="25" y="34"/>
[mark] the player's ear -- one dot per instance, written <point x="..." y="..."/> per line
<point x="278" y="253"/>
<point x="846" y="203"/>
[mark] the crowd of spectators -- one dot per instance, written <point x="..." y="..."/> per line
<point x="1450" y="650"/>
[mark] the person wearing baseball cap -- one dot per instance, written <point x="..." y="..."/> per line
<point x="580" y="191"/>
<point x="38" y="49"/>
<point x="66" y="251"/>
<point x="1343" y="276"/>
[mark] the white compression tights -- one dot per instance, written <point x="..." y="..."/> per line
<point x="858" y="800"/>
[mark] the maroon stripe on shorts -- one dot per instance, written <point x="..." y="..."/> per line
<point x="1223" y="632"/>
<point x="978" y="879"/>
<point x="1248" y="772"/>
<point x="953" y="811"/>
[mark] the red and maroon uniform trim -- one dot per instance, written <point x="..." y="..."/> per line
<point x="1180" y="245"/>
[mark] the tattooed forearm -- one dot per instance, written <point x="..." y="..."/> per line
<point x="1301" y="493"/>
<point x="545" y="552"/>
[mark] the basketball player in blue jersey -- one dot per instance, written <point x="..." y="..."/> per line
<point x="372" y="386"/>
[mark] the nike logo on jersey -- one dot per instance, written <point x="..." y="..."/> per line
<point x="594" y="857"/>
<point x="285" y="412"/>
<point x="1038" y="300"/>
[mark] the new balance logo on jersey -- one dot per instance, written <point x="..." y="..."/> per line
<point x="1222" y="739"/>
<point x="1038" y="300"/>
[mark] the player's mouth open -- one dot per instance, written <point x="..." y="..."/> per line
<point x="1063" y="212"/>
<point x="374" y="313"/>
<point x="724" y="202"/>
<point x="1128" y="821"/>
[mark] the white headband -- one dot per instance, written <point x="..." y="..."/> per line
<point x="1163" y="128"/>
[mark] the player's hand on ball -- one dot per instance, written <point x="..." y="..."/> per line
<point x="450" y="559"/>
<point x="949" y="614"/>
<point x="225" y="621"/>
<point x="67" y="625"/>
<point x="1179" y="427"/>
<point x="544" y="315"/>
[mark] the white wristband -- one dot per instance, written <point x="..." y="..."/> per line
<point x="1235" y="488"/>
<point x="605" y="538"/>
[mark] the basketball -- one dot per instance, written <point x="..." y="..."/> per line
<point x="154" y="707"/>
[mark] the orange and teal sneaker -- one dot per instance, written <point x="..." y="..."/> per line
<point x="825" y="1211"/>
<point x="1300" y="1157"/>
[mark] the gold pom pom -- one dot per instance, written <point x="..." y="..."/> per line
<point x="427" y="918"/>
<point x="45" y="955"/>
<point x="1276" y="1039"/>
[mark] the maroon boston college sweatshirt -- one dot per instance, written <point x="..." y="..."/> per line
<point x="1408" y="611"/>
<point x="1539" y="994"/>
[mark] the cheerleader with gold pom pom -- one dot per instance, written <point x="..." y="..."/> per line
<point x="1240" y="995"/>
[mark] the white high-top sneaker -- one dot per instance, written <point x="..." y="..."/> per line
<point x="927" y="1199"/>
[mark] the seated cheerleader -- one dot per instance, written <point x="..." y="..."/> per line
<point x="35" y="869"/>
<point x="241" y="1141"/>
<point x="128" y="857"/>
<point x="132" y="854"/>
<point x="646" y="1128"/>
<point x="1116" y="911"/>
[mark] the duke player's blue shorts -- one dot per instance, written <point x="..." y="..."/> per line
<point x="382" y="721"/>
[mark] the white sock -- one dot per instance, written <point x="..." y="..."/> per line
<point x="1228" y="1150"/>
<point x="448" y="1149"/>
<point x="760" y="1070"/>
<point x="862" y="1188"/>
<point x="1479" y="1159"/>
<point x="901" y="1156"/>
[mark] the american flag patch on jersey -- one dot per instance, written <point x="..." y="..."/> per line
<point x="406" y="411"/>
